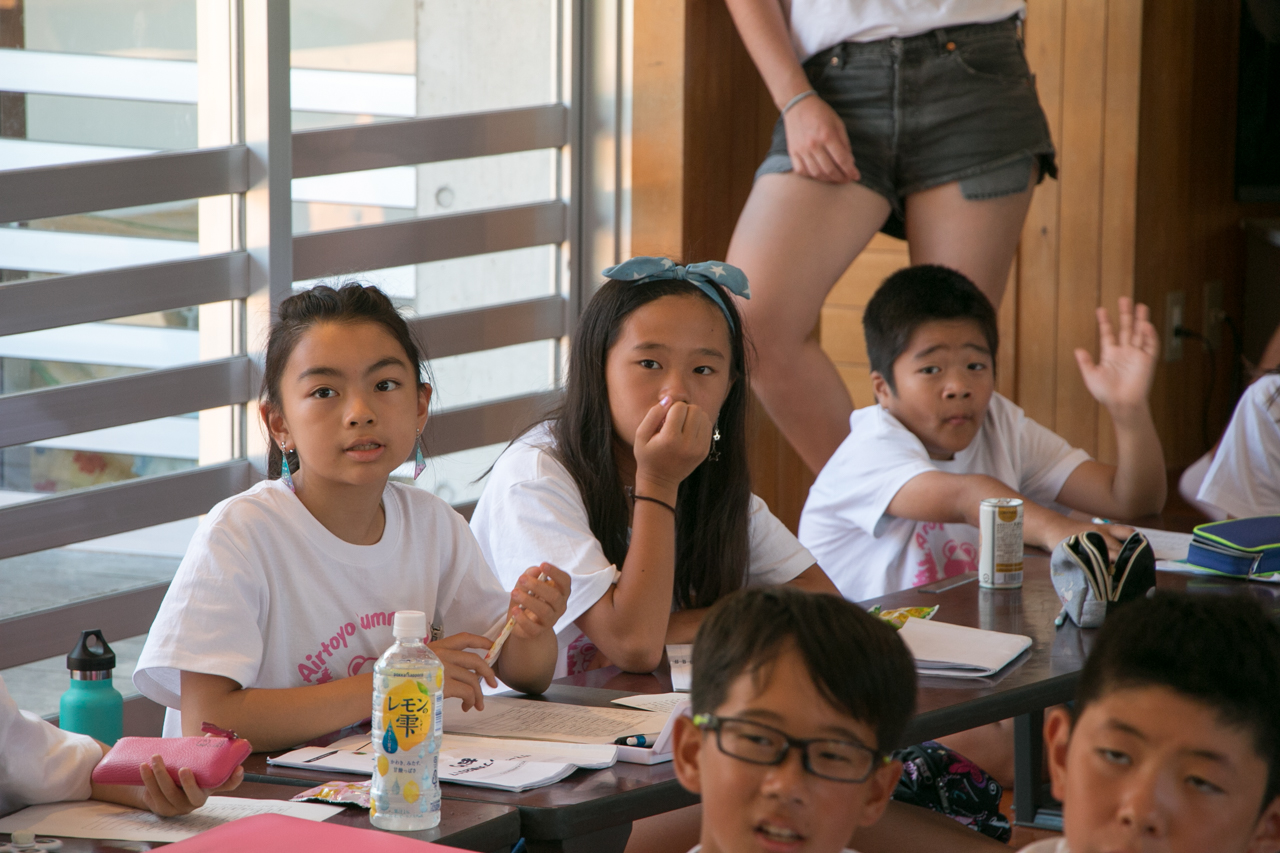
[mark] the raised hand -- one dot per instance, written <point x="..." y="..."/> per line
<point x="670" y="442"/>
<point x="537" y="604"/>
<point x="463" y="670"/>
<point x="818" y="142"/>
<point x="1126" y="362"/>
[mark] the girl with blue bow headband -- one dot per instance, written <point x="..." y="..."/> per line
<point x="637" y="484"/>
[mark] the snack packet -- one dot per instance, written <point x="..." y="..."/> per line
<point x="897" y="617"/>
<point x="337" y="793"/>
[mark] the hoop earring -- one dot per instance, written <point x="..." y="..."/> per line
<point x="285" y="473"/>
<point x="418" y="463"/>
<point x="714" y="455"/>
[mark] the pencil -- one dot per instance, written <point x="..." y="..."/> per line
<point x="492" y="654"/>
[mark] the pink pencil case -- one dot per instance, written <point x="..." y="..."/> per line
<point x="211" y="759"/>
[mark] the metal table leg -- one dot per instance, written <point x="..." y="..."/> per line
<point x="1032" y="803"/>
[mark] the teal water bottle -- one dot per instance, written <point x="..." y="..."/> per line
<point x="92" y="705"/>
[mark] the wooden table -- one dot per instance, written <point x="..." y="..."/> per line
<point x="1043" y="676"/>
<point x="468" y="825"/>
<point x="593" y="810"/>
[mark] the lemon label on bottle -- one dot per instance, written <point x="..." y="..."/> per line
<point x="411" y="792"/>
<point x="406" y="710"/>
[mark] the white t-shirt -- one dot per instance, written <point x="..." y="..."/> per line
<point x="40" y="763"/>
<point x="1244" y="478"/>
<point x="268" y="597"/>
<point x="818" y="24"/>
<point x="531" y="512"/>
<point x="867" y="552"/>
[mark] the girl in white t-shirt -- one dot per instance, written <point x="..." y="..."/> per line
<point x="638" y="485"/>
<point x="286" y="595"/>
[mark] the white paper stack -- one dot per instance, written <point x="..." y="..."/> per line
<point x="1166" y="544"/>
<point x="956" y="651"/>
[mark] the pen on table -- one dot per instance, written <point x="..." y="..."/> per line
<point x="633" y="740"/>
<point x="1097" y="520"/>
<point x="318" y="757"/>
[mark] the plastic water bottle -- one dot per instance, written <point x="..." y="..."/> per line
<point x="92" y="705"/>
<point x="408" y="724"/>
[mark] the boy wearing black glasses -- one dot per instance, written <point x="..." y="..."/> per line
<point x="797" y="700"/>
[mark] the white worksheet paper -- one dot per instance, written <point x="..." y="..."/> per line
<point x="484" y="761"/>
<point x="680" y="656"/>
<point x="93" y="819"/>
<point x="589" y="756"/>
<point x="1165" y="544"/>
<point x="659" y="703"/>
<point x="527" y="719"/>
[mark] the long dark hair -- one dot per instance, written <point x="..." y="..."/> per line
<point x="713" y="503"/>
<point x="351" y="302"/>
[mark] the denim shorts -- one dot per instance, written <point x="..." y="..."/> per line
<point x="954" y="104"/>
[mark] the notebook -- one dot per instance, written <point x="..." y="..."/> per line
<point x="956" y="651"/>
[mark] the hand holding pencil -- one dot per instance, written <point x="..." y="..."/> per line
<point x="537" y="603"/>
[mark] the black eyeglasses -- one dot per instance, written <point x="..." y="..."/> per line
<point x="756" y="743"/>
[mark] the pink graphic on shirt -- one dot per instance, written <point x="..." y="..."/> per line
<point x="579" y="654"/>
<point x="961" y="557"/>
<point x="358" y="663"/>
<point x="315" y="670"/>
<point x="943" y="545"/>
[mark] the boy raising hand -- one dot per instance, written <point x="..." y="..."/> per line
<point x="897" y="505"/>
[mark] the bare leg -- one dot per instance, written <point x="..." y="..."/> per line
<point x="978" y="238"/>
<point x="795" y="238"/>
<point x="990" y="747"/>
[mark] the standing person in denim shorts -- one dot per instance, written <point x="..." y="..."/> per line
<point x="916" y="117"/>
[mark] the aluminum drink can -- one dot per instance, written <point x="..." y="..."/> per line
<point x="1000" y="553"/>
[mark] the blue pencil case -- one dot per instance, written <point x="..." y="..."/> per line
<point x="1241" y="547"/>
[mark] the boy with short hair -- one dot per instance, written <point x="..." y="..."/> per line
<point x="1174" y="741"/>
<point x="797" y="701"/>
<point x="897" y="505"/>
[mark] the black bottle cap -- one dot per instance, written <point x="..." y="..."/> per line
<point x="91" y="654"/>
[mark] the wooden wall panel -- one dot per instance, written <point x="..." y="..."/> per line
<point x="1188" y="220"/>
<point x="657" y="119"/>
<point x="1119" y="173"/>
<point x="1037" y="260"/>
<point x="1081" y="181"/>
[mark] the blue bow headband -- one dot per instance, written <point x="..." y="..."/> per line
<point x="641" y="270"/>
